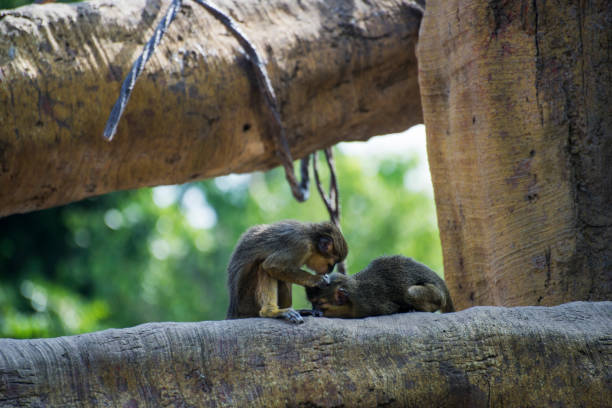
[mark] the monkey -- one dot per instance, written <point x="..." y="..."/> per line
<point x="389" y="284"/>
<point x="268" y="259"/>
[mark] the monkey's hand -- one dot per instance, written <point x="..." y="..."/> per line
<point x="311" y="312"/>
<point x="324" y="282"/>
<point x="291" y="315"/>
<point x="272" y="310"/>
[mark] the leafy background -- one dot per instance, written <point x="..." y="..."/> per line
<point x="160" y="254"/>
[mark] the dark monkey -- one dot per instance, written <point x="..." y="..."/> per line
<point x="268" y="259"/>
<point x="389" y="284"/>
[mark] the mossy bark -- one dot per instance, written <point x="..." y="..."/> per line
<point x="341" y="70"/>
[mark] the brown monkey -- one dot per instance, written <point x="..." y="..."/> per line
<point x="389" y="284"/>
<point x="268" y="259"/>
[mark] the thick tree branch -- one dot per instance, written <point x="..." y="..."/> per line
<point x="342" y="71"/>
<point x="484" y="356"/>
<point x="516" y="100"/>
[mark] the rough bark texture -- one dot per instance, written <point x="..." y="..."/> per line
<point x="516" y="99"/>
<point x="343" y="70"/>
<point x="484" y="356"/>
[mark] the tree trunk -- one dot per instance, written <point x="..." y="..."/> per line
<point x="516" y="100"/>
<point x="485" y="356"/>
<point x="341" y="70"/>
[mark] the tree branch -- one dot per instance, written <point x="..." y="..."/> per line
<point x="341" y="71"/>
<point x="517" y="110"/>
<point x="483" y="356"/>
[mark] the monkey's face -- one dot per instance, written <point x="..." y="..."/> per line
<point x="344" y="311"/>
<point x="324" y="258"/>
<point x="333" y="300"/>
<point x="321" y="264"/>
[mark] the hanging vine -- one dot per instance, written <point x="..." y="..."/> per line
<point x="299" y="189"/>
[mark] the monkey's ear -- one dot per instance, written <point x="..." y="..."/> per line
<point x="341" y="296"/>
<point x="325" y="245"/>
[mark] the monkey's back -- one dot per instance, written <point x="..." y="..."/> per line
<point x="253" y="247"/>
<point x="383" y="283"/>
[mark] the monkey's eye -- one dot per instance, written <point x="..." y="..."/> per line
<point x="325" y="245"/>
<point x="341" y="296"/>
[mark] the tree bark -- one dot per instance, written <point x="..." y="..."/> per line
<point x="341" y="70"/>
<point x="516" y="100"/>
<point x="485" y="356"/>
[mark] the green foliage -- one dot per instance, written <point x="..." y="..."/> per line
<point x="121" y="259"/>
<point x="129" y="257"/>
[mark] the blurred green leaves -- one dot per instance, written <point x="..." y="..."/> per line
<point x="159" y="254"/>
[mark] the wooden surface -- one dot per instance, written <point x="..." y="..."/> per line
<point x="341" y="70"/>
<point x="484" y="356"/>
<point x="516" y="100"/>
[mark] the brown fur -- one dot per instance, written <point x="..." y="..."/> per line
<point x="268" y="259"/>
<point x="389" y="284"/>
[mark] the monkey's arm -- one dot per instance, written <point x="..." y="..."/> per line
<point x="287" y="269"/>
<point x="270" y="293"/>
<point x="298" y="276"/>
